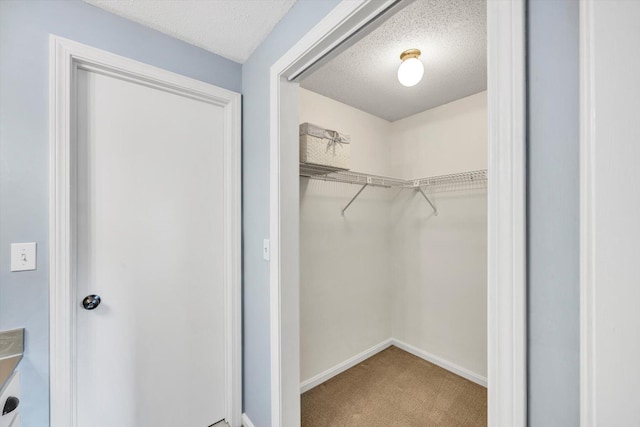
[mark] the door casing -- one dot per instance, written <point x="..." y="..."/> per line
<point x="67" y="56"/>
<point x="507" y="358"/>
<point x="608" y="213"/>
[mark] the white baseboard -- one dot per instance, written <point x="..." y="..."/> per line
<point x="458" y="370"/>
<point x="351" y="362"/>
<point x="341" y="367"/>
<point x="246" y="422"/>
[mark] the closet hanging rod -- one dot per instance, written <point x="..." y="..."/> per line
<point x="477" y="176"/>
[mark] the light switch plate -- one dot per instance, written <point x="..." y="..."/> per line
<point x="266" y="249"/>
<point x="23" y="256"/>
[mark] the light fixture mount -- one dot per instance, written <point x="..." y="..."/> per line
<point x="410" y="53"/>
<point x="411" y="69"/>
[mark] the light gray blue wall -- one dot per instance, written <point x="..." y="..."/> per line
<point x="553" y="213"/>
<point x="553" y="74"/>
<point x="255" y="87"/>
<point x="24" y="150"/>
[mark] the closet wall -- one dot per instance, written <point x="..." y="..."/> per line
<point x="440" y="262"/>
<point x="344" y="260"/>
<point x="389" y="268"/>
<point x="447" y="139"/>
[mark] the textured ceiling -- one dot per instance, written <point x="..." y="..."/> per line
<point x="452" y="35"/>
<point x="229" y="28"/>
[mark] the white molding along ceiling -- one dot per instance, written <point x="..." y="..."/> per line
<point x="229" y="28"/>
<point x="452" y="36"/>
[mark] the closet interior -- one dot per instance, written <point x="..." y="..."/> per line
<point x="393" y="246"/>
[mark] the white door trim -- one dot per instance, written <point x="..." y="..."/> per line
<point x="507" y="369"/>
<point x="587" y="209"/>
<point x="66" y="57"/>
<point x="507" y="285"/>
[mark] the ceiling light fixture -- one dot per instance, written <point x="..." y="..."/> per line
<point x="411" y="69"/>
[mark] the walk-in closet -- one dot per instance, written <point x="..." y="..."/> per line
<point x="393" y="224"/>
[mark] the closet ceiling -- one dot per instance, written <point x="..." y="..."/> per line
<point x="452" y="35"/>
<point x="229" y="28"/>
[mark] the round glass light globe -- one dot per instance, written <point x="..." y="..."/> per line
<point x="410" y="72"/>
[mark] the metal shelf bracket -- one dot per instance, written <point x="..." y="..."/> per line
<point x="435" y="210"/>
<point x="354" y="197"/>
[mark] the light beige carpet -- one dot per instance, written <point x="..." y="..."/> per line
<point x="395" y="388"/>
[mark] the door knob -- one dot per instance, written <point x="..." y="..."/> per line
<point x="10" y="405"/>
<point x="91" y="302"/>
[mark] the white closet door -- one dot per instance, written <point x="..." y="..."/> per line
<point x="150" y="244"/>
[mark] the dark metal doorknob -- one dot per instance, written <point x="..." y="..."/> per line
<point x="10" y="405"/>
<point x="91" y="302"/>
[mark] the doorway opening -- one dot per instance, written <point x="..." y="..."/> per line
<point x="393" y="228"/>
<point x="393" y="223"/>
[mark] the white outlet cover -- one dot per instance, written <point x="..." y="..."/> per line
<point x="23" y="256"/>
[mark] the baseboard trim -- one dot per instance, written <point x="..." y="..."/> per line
<point x="246" y="422"/>
<point x="452" y="367"/>
<point x="361" y="357"/>
<point x="341" y="367"/>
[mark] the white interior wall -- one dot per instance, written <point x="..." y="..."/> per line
<point x="446" y="139"/>
<point x="344" y="266"/>
<point x="439" y="267"/>
<point x="388" y="268"/>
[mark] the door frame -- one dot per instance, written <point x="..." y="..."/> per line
<point x="66" y="57"/>
<point x="587" y="209"/>
<point x="507" y="327"/>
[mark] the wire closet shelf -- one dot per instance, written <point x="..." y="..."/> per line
<point x="472" y="180"/>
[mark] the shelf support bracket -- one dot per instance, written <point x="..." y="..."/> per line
<point x="435" y="211"/>
<point x="355" y="197"/>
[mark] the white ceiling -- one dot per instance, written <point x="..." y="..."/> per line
<point x="452" y="35"/>
<point x="229" y="28"/>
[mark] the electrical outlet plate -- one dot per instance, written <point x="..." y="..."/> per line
<point x="23" y="256"/>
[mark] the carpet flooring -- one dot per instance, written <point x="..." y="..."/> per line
<point x="395" y="388"/>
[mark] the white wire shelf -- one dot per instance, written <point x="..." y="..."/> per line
<point x="452" y="182"/>
<point x="325" y="173"/>
<point x="471" y="180"/>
